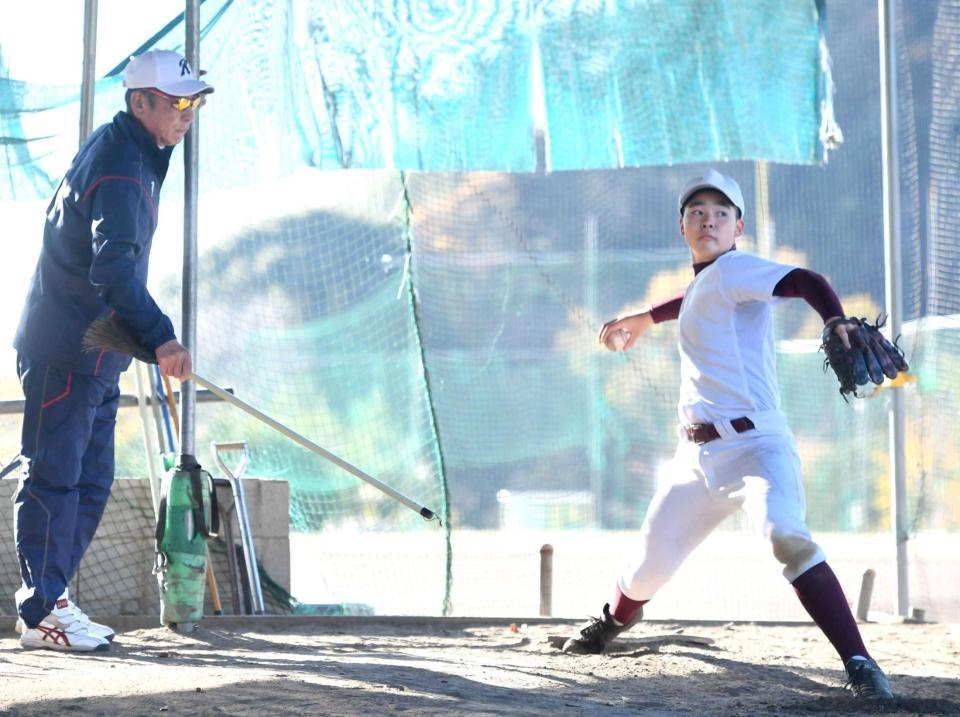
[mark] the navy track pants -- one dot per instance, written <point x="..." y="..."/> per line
<point x="67" y="450"/>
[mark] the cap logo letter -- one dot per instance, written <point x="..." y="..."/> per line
<point x="184" y="68"/>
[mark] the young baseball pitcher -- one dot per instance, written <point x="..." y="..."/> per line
<point x="735" y="449"/>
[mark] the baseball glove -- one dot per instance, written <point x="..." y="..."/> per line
<point x="870" y="358"/>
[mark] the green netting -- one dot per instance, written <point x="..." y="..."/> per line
<point x="671" y="82"/>
<point x="468" y="86"/>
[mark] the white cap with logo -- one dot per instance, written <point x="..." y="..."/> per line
<point x="166" y="71"/>
<point x="712" y="179"/>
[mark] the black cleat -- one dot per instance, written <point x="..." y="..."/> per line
<point x="592" y="637"/>
<point x="867" y="681"/>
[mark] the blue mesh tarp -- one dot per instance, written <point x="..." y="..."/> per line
<point x="468" y="86"/>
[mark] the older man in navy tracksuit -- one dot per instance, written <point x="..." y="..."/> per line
<point x="96" y="246"/>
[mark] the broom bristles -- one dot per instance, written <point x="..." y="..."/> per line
<point x="111" y="334"/>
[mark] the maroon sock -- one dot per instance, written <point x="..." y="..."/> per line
<point x="623" y="609"/>
<point x="822" y="597"/>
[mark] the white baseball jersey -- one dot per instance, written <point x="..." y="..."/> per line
<point x="727" y="351"/>
<point x="728" y="370"/>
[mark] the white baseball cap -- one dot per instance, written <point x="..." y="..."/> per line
<point x="712" y="179"/>
<point x="165" y="70"/>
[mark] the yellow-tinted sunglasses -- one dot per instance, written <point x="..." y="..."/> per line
<point x="181" y="104"/>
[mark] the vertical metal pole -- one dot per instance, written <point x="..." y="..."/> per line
<point x="538" y="103"/>
<point x="595" y="446"/>
<point x="766" y="236"/>
<point x="89" y="68"/>
<point x="886" y="12"/>
<point x="188" y="390"/>
<point x="86" y="118"/>
<point x="152" y="472"/>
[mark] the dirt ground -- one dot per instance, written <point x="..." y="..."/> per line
<point x="460" y="667"/>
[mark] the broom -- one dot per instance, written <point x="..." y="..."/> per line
<point x="111" y="334"/>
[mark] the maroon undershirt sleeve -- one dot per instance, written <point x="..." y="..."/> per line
<point x="666" y="310"/>
<point x="813" y="288"/>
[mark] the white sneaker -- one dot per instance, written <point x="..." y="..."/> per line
<point x="66" y="636"/>
<point x="67" y="611"/>
<point x="67" y="607"/>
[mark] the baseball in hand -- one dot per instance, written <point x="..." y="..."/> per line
<point x="617" y="340"/>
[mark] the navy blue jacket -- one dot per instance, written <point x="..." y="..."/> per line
<point x="96" y="247"/>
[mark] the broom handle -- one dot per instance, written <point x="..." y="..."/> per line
<point x="425" y="513"/>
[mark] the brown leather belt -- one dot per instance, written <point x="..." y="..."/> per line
<point x="701" y="433"/>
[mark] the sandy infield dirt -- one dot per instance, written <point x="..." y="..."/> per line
<point x="460" y="667"/>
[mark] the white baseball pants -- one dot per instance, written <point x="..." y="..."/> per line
<point x="759" y="473"/>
